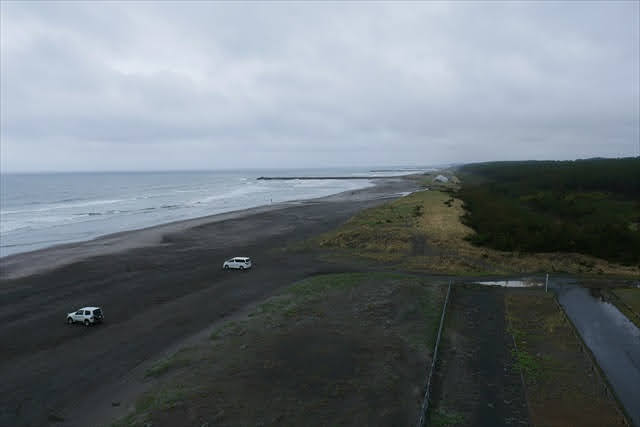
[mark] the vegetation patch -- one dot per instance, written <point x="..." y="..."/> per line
<point x="183" y="357"/>
<point x="528" y="364"/>
<point x="630" y="296"/>
<point x="446" y="418"/>
<point x="590" y="207"/>
<point x="560" y="386"/>
<point x="628" y="301"/>
<point x="425" y="231"/>
<point x="323" y="352"/>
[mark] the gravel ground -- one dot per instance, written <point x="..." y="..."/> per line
<point x="476" y="382"/>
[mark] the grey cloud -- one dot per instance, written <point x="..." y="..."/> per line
<point x="106" y="85"/>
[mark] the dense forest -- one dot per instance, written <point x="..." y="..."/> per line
<point x="585" y="206"/>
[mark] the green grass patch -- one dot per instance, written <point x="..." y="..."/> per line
<point x="385" y="231"/>
<point x="291" y="301"/>
<point x="628" y="302"/>
<point x="160" y="400"/>
<point x="164" y="399"/>
<point x="230" y="327"/>
<point x="322" y="284"/>
<point x="428" y="306"/>
<point x="442" y="417"/>
<point x="182" y="358"/>
<point x="630" y="296"/>
<point x="528" y="364"/>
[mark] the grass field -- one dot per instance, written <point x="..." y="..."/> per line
<point x="561" y="387"/>
<point x="424" y="232"/>
<point x="628" y="301"/>
<point x="336" y="349"/>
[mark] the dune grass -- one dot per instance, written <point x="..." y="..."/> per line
<point x="424" y="231"/>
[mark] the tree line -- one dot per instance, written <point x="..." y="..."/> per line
<point x="584" y="206"/>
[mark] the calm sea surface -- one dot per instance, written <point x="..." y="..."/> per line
<point x="41" y="210"/>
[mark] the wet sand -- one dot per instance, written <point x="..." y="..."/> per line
<point x="24" y="264"/>
<point x="156" y="286"/>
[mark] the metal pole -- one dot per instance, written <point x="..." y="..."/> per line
<point x="546" y="283"/>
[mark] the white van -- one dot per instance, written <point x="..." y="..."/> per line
<point x="239" y="263"/>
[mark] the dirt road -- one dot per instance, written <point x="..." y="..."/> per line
<point x="475" y="382"/>
<point x="152" y="296"/>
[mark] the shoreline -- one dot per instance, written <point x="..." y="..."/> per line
<point x="23" y="264"/>
<point x="148" y="295"/>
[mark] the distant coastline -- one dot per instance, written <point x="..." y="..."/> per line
<point x="290" y="178"/>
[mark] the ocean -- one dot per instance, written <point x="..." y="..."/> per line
<point x="42" y="210"/>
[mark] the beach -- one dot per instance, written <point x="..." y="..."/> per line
<point x="157" y="286"/>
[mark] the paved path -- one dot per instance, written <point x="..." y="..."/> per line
<point x="612" y="338"/>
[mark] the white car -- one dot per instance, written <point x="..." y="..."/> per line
<point x="238" y="262"/>
<point x="87" y="315"/>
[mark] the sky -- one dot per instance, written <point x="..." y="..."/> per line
<point x="215" y="85"/>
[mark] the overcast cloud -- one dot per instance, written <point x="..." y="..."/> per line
<point x="140" y="86"/>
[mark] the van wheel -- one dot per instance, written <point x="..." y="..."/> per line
<point x="69" y="321"/>
<point x="86" y="322"/>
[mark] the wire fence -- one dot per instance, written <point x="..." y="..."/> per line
<point x="422" y="419"/>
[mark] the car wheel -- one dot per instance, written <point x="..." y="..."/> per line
<point x="69" y="321"/>
<point x="241" y="268"/>
<point x="86" y="322"/>
<point x="226" y="267"/>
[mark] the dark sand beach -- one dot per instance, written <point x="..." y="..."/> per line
<point x="157" y="287"/>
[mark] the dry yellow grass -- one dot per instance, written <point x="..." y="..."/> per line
<point x="424" y="232"/>
<point x="442" y="222"/>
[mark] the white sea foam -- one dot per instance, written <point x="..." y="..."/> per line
<point x="41" y="210"/>
<point x="61" y="205"/>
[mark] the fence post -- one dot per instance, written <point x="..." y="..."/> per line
<point x="546" y="283"/>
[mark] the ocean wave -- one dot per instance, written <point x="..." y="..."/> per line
<point x="139" y="205"/>
<point x="63" y="206"/>
<point x="248" y="188"/>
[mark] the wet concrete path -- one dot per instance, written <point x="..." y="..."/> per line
<point x="611" y="337"/>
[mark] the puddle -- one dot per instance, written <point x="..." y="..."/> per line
<point x="511" y="283"/>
